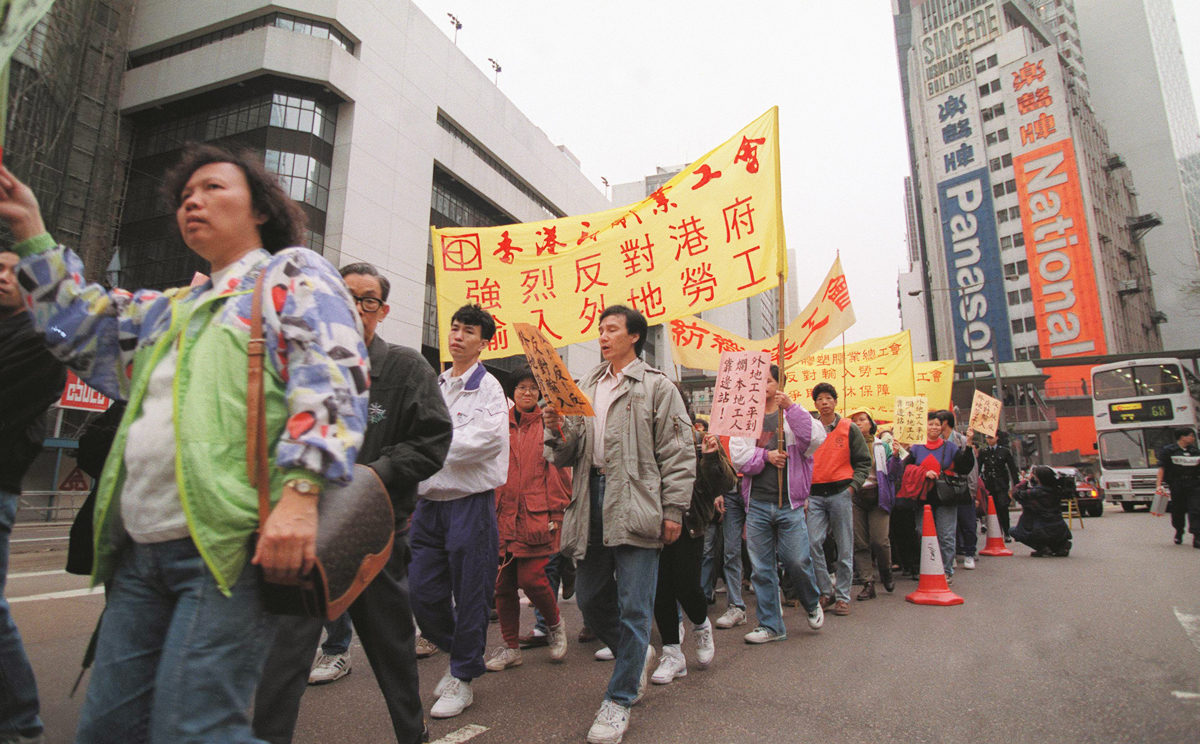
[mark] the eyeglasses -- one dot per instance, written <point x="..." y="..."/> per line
<point x="370" y="304"/>
<point x="527" y="390"/>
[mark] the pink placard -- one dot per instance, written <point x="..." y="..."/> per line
<point x="740" y="397"/>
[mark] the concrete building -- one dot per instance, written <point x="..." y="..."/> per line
<point x="982" y="288"/>
<point x="1140" y="91"/>
<point x="376" y="122"/>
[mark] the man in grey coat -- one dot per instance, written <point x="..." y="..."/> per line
<point x="634" y="467"/>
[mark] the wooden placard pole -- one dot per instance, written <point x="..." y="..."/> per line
<point x="779" y="436"/>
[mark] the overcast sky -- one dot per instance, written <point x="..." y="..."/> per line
<point x="628" y="86"/>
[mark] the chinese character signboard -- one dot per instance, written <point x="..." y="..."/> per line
<point x="985" y="414"/>
<point x="945" y="51"/>
<point x="740" y="397"/>
<point x="934" y="380"/>
<point x="710" y="236"/>
<point x="1065" y="299"/>
<point x="698" y="344"/>
<point x="955" y="132"/>
<point x="553" y="379"/>
<point x="910" y="414"/>
<point x="79" y="396"/>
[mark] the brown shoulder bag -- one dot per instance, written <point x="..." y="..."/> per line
<point x="355" y="523"/>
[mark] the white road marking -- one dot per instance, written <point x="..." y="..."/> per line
<point x="1191" y="625"/>
<point x="39" y="539"/>
<point x="31" y="574"/>
<point x="463" y="734"/>
<point x="57" y="595"/>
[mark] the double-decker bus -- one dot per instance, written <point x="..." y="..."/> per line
<point x="1136" y="405"/>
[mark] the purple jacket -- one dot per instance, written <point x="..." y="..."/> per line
<point x="803" y="435"/>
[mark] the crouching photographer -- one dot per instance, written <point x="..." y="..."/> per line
<point x="1041" y="526"/>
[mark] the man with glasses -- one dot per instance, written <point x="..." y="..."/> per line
<point x="407" y="438"/>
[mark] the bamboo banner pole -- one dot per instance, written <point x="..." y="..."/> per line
<point x="782" y="381"/>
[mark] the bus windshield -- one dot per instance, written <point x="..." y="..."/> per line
<point x="1129" y="449"/>
<point x="1138" y="381"/>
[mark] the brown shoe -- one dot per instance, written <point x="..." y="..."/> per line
<point x="868" y="591"/>
<point x="826" y="602"/>
<point x="586" y="634"/>
<point x="791" y="602"/>
<point x="841" y="608"/>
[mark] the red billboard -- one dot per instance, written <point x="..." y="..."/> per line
<point x="78" y="395"/>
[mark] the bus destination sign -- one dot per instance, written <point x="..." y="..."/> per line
<point x="1143" y="410"/>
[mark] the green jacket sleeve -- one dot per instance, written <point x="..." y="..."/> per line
<point x="673" y="450"/>
<point x="860" y="457"/>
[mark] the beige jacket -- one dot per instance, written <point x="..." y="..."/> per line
<point x="650" y="461"/>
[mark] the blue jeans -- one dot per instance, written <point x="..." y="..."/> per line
<point x="733" y="523"/>
<point x="176" y="659"/>
<point x="967" y="531"/>
<point x="554" y="576"/>
<point x="338" y="634"/>
<point x="836" y="513"/>
<point x="18" y="690"/>
<point x="770" y="532"/>
<point x="616" y="586"/>
<point x="945" y="522"/>
<point x="712" y="544"/>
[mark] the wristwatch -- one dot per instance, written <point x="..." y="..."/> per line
<point x="303" y="486"/>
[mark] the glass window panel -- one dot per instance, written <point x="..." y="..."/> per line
<point x="321" y="32"/>
<point x="272" y="161"/>
<point x="306" y="122"/>
<point x="322" y="199"/>
<point x="291" y="118"/>
<point x="284" y="22"/>
<point x="277" y="115"/>
<point x="297" y="190"/>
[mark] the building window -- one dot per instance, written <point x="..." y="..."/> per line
<point x="1002" y="135"/>
<point x="1014" y="298"/>
<point x="1019" y="240"/>
<point x="1010" y="187"/>
<point x="1014" y="213"/>
<point x="1002" y="215"/>
<point x="992" y="61"/>
<point x="1026" y="295"/>
<point x="1006" y="160"/>
<point x="994" y="165"/>
<point x="984" y="90"/>
<point x="278" y="20"/>
<point x="302" y="177"/>
<point x="1005" y="242"/>
<point x="991" y="138"/>
<point x="981" y="66"/>
<point x="998" y="190"/>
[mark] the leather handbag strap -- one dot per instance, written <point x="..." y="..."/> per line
<point x="256" y="418"/>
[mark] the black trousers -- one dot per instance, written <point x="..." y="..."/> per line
<point x="382" y="617"/>
<point x="679" y="581"/>
<point x="906" y="546"/>
<point x="1185" y="507"/>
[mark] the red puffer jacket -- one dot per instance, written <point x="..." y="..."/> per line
<point x="530" y="506"/>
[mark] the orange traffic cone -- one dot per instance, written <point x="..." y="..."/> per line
<point x="933" y="589"/>
<point x="995" y="538"/>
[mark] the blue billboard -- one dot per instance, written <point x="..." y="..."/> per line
<point x="975" y="273"/>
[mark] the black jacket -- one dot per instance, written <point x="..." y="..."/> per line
<point x="997" y="468"/>
<point x="714" y="477"/>
<point x="30" y="381"/>
<point x="408" y="427"/>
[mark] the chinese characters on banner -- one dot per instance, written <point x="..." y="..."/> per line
<point x="710" y="236"/>
<point x="985" y="414"/>
<point x="697" y="344"/>
<point x="553" y="379"/>
<point x="740" y="398"/>
<point x="911" y="413"/>
<point x="934" y="380"/>
<point x="79" y="396"/>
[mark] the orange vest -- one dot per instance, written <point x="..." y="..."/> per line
<point x="831" y="461"/>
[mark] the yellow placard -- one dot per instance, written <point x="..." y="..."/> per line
<point x="935" y="380"/>
<point x="985" y="414"/>
<point x="698" y="344"/>
<point x="911" y="413"/>
<point x="710" y="236"/>
<point x="868" y="375"/>
<point x="553" y="378"/>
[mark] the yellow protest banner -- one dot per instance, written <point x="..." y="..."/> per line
<point x="934" y="380"/>
<point x="553" y="379"/>
<point x="868" y="374"/>
<point x="698" y="344"/>
<point x="710" y="236"/>
<point x="911" y="413"/>
<point x="985" y="414"/>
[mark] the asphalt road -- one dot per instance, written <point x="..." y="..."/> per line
<point x="1091" y="648"/>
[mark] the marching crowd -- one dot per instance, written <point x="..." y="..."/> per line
<point x="636" y="511"/>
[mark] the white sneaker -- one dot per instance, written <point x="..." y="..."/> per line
<point x="605" y="654"/>
<point x="329" y="668"/>
<point x="734" y="616"/>
<point x="704" y="644"/>
<point x="502" y="658"/>
<point x="442" y="684"/>
<point x="645" y="678"/>
<point x="816" y="618"/>
<point x="672" y="665"/>
<point x="610" y="724"/>
<point x="456" y="698"/>
<point x="969" y="563"/>
<point x="762" y="635"/>
<point x="558" y="641"/>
